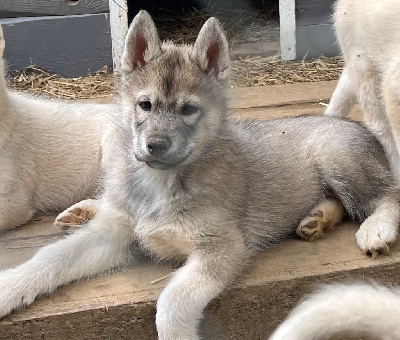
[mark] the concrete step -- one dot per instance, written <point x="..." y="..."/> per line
<point x="121" y="305"/>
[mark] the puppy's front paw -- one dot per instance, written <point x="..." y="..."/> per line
<point x="76" y="215"/>
<point x="11" y="293"/>
<point x="375" y="236"/>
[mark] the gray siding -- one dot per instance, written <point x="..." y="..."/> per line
<point x="69" y="45"/>
<point x="31" y="8"/>
<point x="314" y="30"/>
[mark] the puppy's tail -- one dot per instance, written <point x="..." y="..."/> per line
<point x="362" y="308"/>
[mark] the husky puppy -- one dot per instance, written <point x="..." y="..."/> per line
<point x="49" y="153"/>
<point x="353" y="308"/>
<point x="368" y="33"/>
<point x="183" y="181"/>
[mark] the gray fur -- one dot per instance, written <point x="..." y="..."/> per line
<point x="227" y="189"/>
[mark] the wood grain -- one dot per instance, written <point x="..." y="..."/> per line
<point x="287" y="29"/>
<point x="29" y="8"/>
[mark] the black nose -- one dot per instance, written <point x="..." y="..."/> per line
<point x="158" y="146"/>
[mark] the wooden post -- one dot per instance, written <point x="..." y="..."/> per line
<point x="119" y="28"/>
<point x="287" y="19"/>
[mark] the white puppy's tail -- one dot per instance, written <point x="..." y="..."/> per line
<point x="363" y="308"/>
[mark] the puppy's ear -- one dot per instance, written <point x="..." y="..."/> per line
<point x="142" y="43"/>
<point x="211" y="50"/>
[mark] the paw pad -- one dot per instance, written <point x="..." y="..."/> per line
<point x="74" y="217"/>
<point x="313" y="226"/>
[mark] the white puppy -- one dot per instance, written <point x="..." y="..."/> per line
<point x="368" y="33"/>
<point x="354" y="308"/>
<point x="49" y="153"/>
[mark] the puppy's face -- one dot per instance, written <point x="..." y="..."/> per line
<point x="174" y="105"/>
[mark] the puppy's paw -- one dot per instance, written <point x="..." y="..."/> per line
<point x="313" y="227"/>
<point x="376" y="235"/>
<point x="76" y="215"/>
<point x="12" y="295"/>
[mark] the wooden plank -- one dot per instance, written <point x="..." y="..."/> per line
<point x="287" y="29"/>
<point x="280" y="95"/>
<point x="70" y="45"/>
<point x="122" y="305"/>
<point x="316" y="40"/>
<point x="29" y="8"/>
<point x="119" y="28"/>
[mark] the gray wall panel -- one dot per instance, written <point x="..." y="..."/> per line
<point x="316" y="40"/>
<point x="70" y="45"/>
<point x="30" y="8"/>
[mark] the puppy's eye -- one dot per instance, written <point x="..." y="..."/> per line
<point x="145" y="106"/>
<point x="188" y="110"/>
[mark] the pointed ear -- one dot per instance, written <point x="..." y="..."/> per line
<point x="211" y="50"/>
<point x="142" y="43"/>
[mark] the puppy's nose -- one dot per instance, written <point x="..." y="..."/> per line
<point x="158" y="146"/>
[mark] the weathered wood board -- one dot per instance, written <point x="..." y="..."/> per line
<point x="68" y="45"/>
<point x="29" y="8"/>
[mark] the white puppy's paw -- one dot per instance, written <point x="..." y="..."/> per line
<point x="12" y="294"/>
<point x="76" y="215"/>
<point x="375" y="235"/>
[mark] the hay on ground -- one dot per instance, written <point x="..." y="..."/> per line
<point x="253" y="71"/>
<point x="37" y="80"/>
<point x="259" y="71"/>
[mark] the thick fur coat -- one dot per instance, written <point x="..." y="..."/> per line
<point x="50" y="152"/>
<point x="183" y="181"/>
<point x="368" y="33"/>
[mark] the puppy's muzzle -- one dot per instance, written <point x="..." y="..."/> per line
<point x="158" y="146"/>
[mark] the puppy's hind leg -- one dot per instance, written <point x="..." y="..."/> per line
<point x="15" y="196"/>
<point x="3" y="90"/>
<point x="380" y="229"/>
<point x="77" y="214"/>
<point x="322" y="218"/>
<point x="391" y="95"/>
<point x="343" y="98"/>
<point x="369" y="85"/>
<point x="2" y="42"/>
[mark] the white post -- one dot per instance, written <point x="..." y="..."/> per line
<point x="119" y="28"/>
<point x="287" y="18"/>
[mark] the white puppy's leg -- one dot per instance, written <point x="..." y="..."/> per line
<point x="3" y="90"/>
<point x="380" y="229"/>
<point x="343" y="98"/>
<point x="322" y="218"/>
<point x="15" y="200"/>
<point x="2" y="42"/>
<point x="344" y="308"/>
<point x="368" y="83"/>
<point x="104" y="244"/>
<point x="77" y="214"/>
<point x="391" y="95"/>
<point x="13" y="214"/>
<point x="205" y="275"/>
